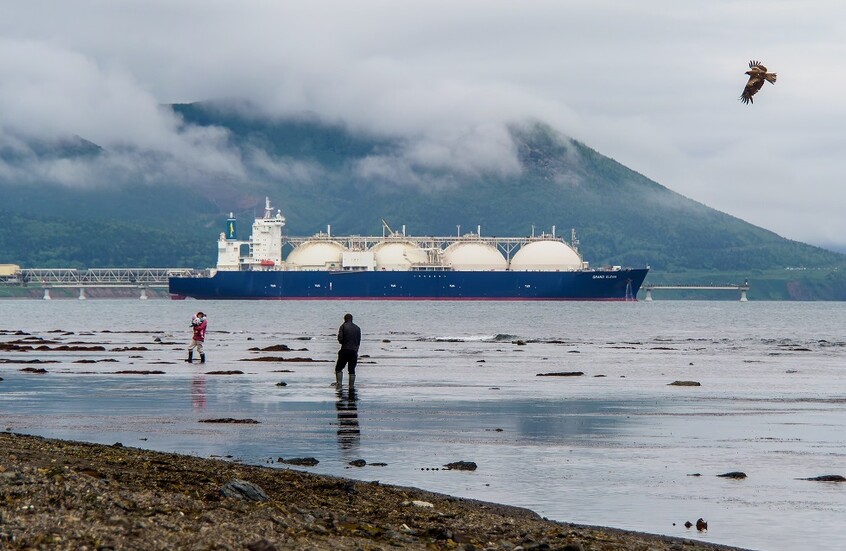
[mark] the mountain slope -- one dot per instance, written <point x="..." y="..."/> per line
<point x="621" y="216"/>
<point x="313" y="171"/>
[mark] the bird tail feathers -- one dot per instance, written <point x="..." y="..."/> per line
<point x="771" y="77"/>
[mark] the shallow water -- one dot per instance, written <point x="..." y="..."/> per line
<point x="445" y="382"/>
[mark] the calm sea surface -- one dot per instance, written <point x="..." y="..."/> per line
<point x="446" y="382"/>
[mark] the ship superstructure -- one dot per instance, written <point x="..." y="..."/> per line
<point x="392" y="251"/>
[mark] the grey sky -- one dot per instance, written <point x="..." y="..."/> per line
<point x="653" y="84"/>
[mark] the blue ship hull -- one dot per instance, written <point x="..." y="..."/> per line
<point x="413" y="285"/>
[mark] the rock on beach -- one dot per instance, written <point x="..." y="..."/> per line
<point x="241" y="489"/>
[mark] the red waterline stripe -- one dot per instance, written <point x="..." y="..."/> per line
<point x="425" y="299"/>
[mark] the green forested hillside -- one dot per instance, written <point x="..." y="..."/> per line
<point x="621" y="217"/>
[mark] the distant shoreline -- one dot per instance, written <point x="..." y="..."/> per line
<point x="66" y="495"/>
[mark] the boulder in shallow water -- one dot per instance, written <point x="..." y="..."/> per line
<point x="826" y="478"/>
<point x="274" y="348"/>
<point x="38" y="370"/>
<point x="461" y="466"/>
<point x="737" y="475"/>
<point x="300" y="461"/>
<point x="139" y="372"/>
<point x="685" y="383"/>
<point x="226" y="372"/>
<point x="281" y="359"/>
<point x="231" y="420"/>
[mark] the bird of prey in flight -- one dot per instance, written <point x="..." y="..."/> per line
<point x="757" y="75"/>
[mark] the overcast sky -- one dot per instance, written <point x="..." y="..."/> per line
<point x="653" y="84"/>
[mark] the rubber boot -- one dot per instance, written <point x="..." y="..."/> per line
<point x="352" y="381"/>
<point x="203" y="358"/>
<point x="339" y="377"/>
<point x="190" y="356"/>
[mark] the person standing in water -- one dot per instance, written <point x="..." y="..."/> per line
<point x="349" y="336"/>
<point x="198" y="325"/>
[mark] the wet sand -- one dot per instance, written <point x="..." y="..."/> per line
<point x="69" y="495"/>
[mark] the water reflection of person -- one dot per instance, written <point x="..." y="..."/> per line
<point x="349" y="433"/>
<point x="198" y="392"/>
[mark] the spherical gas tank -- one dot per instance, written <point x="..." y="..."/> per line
<point x="316" y="255"/>
<point x="398" y="255"/>
<point x="547" y="256"/>
<point x="469" y="256"/>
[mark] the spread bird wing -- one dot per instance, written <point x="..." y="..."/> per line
<point x="757" y="65"/>
<point x="752" y="87"/>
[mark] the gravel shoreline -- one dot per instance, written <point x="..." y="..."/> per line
<point x="57" y="494"/>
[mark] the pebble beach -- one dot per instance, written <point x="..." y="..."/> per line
<point x="70" y="495"/>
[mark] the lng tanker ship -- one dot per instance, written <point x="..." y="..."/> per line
<point x="397" y="266"/>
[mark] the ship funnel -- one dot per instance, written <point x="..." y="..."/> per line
<point x="230" y="227"/>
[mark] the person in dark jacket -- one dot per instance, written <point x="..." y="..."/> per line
<point x="198" y="325"/>
<point x="349" y="335"/>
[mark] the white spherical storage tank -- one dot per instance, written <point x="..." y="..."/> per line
<point x="546" y="256"/>
<point x="474" y="257"/>
<point x="397" y="255"/>
<point x="316" y="255"/>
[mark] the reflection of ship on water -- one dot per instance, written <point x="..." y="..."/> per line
<point x="349" y="433"/>
<point x="198" y="392"/>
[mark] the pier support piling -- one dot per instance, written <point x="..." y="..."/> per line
<point x="47" y="294"/>
<point x="82" y="293"/>
<point x="143" y="294"/>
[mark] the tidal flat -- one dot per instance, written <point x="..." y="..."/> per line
<point x="608" y="440"/>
